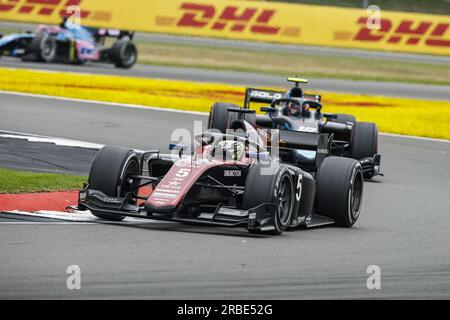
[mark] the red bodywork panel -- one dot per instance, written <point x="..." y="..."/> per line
<point x="172" y="189"/>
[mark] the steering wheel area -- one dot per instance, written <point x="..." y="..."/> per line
<point x="295" y="107"/>
<point x="212" y="140"/>
<point x="276" y="102"/>
<point x="313" y="104"/>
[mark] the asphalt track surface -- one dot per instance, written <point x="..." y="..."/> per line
<point x="404" y="229"/>
<point x="20" y="154"/>
<point x="393" y="89"/>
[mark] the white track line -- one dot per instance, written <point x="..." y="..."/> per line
<point x="56" y="141"/>
<point x="76" y="217"/>
<point x="46" y="223"/>
<point x="135" y="106"/>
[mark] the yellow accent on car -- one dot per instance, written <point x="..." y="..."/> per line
<point x="297" y="80"/>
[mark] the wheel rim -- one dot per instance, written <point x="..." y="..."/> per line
<point x="128" y="184"/>
<point x="129" y="55"/>
<point x="47" y="48"/>
<point x="356" y="195"/>
<point x="284" y="201"/>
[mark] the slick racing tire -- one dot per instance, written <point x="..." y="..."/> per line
<point x="124" y="54"/>
<point x="43" y="47"/>
<point x="339" y="190"/>
<point x="276" y="188"/>
<point x="364" y="140"/>
<point x="220" y="118"/>
<point x="1" y="52"/>
<point x="109" y="172"/>
<point x="344" y="118"/>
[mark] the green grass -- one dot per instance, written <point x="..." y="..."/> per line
<point x="12" y="181"/>
<point x="426" y="6"/>
<point x="285" y="64"/>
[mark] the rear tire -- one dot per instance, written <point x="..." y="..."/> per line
<point x="364" y="140"/>
<point x="339" y="190"/>
<point x="124" y="54"/>
<point x="109" y="173"/>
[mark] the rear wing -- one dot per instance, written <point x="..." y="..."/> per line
<point x="113" y="33"/>
<point x="267" y="96"/>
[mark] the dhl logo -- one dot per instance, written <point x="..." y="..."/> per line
<point x="406" y="31"/>
<point x="230" y="18"/>
<point x="47" y="8"/>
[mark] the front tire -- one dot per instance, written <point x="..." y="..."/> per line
<point x="109" y="174"/>
<point x="221" y="119"/>
<point x="43" y="47"/>
<point x="339" y="190"/>
<point x="276" y="188"/>
<point x="219" y="116"/>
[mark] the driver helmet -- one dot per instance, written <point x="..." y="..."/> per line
<point x="293" y="110"/>
<point x="63" y="22"/>
<point x="230" y="150"/>
<point x="305" y="110"/>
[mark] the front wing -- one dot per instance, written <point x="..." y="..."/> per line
<point x="258" y="218"/>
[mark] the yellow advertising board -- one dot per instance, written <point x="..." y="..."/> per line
<point x="251" y="20"/>
<point x="120" y="14"/>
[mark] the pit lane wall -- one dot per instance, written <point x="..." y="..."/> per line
<point x="251" y="20"/>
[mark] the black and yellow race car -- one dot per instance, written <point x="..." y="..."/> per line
<point x="299" y="120"/>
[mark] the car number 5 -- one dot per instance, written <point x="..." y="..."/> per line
<point x="183" y="173"/>
<point x="298" y="194"/>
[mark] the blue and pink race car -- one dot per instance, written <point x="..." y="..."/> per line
<point x="70" y="43"/>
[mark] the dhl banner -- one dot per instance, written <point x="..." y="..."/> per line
<point x="119" y="14"/>
<point x="250" y="20"/>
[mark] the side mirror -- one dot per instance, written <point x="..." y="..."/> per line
<point x="174" y="146"/>
<point x="264" y="156"/>
<point x="330" y="115"/>
<point x="180" y="147"/>
<point x="268" y="109"/>
<point x="241" y="110"/>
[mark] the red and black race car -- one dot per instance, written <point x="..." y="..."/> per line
<point x="295" y="112"/>
<point x="228" y="180"/>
